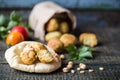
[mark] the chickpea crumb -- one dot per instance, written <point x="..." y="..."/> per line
<point x="78" y="68"/>
<point x="101" y="68"/>
<point x="91" y="70"/>
<point x="65" y="69"/>
<point x="72" y="71"/>
<point x="82" y="71"/>
<point x="82" y="66"/>
<point x="69" y="66"/>
<point x="62" y="56"/>
<point x="70" y="62"/>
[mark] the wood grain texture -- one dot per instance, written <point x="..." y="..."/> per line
<point x="107" y="52"/>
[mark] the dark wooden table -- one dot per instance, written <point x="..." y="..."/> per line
<point x="105" y="24"/>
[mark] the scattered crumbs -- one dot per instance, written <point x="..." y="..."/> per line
<point x="82" y="71"/>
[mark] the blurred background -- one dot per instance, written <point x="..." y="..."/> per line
<point x="95" y="13"/>
<point x="79" y="4"/>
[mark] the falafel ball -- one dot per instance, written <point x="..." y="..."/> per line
<point x="88" y="39"/>
<point x="45" y="56"/>
<point x="52" y="25"/>
<point x="38" y="47"/>
<point x="64" y="27"/>
<point x="55" y="44"/>
<point x="51" y="35"/>
<point x="28" y="56"/>
<point x="68" y="39"/>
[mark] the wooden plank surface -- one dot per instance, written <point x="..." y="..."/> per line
<point x="107" y="52"/>
<point x="107" y="55"/>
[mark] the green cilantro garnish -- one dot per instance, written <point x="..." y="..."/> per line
<point x="81" y="53"/>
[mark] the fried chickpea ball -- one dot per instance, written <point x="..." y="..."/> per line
<point x="64" y="28"/>
<point x="55" y="44"/>
<point x="51" y="35"/>
<point x="89" y="39"/>
<point x="52" y="25"/>
<point x="28" y="56"/>
<point x="45" y="56"/>
<point x="38" y="47"/>
<point x="68" y="39"/>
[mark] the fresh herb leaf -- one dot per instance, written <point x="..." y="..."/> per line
<point x="15" y="17"/>
<point x="73" y="57"/>
<point x="11" y="24"/>
<point x="2" y="20"/>
<point x="71" y="48"/>
<point x="80" y="53"/>
<point x="85" y="54"/>
<point x="82" y="59"/>
<point x="83" y="48"/>
<point x="3" y="34"/>
<point x="85" y="51"/>
<point x="2" y="29"/>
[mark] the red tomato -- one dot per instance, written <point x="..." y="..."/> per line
<point x="22" y="30"/>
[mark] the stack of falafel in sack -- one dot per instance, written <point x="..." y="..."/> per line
<point x="53" y="24"/>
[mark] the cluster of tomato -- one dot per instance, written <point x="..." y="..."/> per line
<point x="17" y="34"/>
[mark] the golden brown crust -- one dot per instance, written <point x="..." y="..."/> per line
<point x="38" y="47"/>
<point x="55" y="44"/>
<point x="89" y="39"/>
<point x="68" y="39"/>
<point x="64" y="27"/>
<point x="52" y="35"/>
<point x="28" y="57"/>
<point x="31" y="52"/>
<point x="52" y="25"/>
<point x="45" y="56"/>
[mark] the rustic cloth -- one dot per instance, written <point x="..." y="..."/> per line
<point x="42" y="12"/>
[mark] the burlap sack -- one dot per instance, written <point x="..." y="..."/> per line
<point x="40" y="15"/>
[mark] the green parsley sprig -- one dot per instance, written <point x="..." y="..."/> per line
<point x="81" y="53"/>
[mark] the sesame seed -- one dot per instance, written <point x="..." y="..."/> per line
<point x="82" y="72"/>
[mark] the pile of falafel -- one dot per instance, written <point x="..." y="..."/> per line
<point x="37" y="52"/>
<point x="58" y="34"/>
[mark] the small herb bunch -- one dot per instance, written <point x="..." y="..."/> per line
<point x="7" y="24"/>
<point x="81" y="53"/>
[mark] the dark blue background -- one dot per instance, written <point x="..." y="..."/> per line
<point x="80" y="4"/>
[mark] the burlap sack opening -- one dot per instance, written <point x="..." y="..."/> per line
<point x="41" y="14"/>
